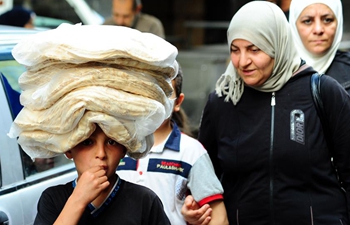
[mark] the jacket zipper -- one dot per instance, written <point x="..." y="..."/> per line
<point x="312" y="215"/>
<point x="273" y="103"/>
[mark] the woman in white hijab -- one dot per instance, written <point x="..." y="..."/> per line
<point x="317" y="27"/>
<point x="262" y="132"/>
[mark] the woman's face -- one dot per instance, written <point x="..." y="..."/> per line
<point x="252" y="64"/>
<point x="317" y="25"/>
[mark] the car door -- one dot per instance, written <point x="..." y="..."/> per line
<point x="22" y="179"/>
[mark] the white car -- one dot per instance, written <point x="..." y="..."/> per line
<point x="22" y="180"/>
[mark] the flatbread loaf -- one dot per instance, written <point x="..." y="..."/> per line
<point x="75" y="44"/>
<point x="41" y="94"/>
<point x="127" y="63"/>
<point x="44" y="144"/>
<point x="63" y="115"/>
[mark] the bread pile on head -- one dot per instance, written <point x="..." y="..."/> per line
<point x="80" y="76"/>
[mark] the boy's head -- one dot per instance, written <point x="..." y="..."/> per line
<point x="97" y="151"/>
<point x="179" y="115"/>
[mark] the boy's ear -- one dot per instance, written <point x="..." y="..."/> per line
<point x="178" y="102"/>
<point x="68" y="154"/>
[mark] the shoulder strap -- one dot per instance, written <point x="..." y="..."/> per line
<point x="316" y="90"/>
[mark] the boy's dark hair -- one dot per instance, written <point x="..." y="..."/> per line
<point x="180" y="117"/>
<point x="178" y="82"/>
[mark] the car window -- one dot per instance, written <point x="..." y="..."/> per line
<point x="10" y="71"/>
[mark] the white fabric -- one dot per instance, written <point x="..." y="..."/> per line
<point x="265" y="25"/>
<point x="319" y="63"/>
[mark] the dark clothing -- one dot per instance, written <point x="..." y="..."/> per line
<point x="130" y="204"/>
<point x="17" y="16"/>
<point x="144" y="23"/>
<point x="340" y="69"/>
<point x="273" y="160"/>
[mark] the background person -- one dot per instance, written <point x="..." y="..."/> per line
<point x="262" y="131"/>
<point x="128" y="13"/>
<point x="283" y="4"/>
<point x="317" y="27"/>
<point x="18" y="16"/>
<point x="187" y="168"/>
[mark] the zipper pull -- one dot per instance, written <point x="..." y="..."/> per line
<point x="273" y="101"/>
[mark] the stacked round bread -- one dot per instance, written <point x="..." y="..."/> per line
<point x="80" y="76"/>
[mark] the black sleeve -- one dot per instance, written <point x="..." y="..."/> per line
<point x="51" y="203"/>
<point x="337" y="108"/>
<point x="207" y="133"/>
<point x="339" y="69"/>
<point x="45" y="215"/>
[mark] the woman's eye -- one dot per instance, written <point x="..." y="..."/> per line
<point x="254" y="49"/>
<point x="307" y="22"/>
<point x="328" y="20"/>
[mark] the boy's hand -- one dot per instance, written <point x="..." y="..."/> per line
<point x="194" y="214"/>
<point x="90" y="184"/>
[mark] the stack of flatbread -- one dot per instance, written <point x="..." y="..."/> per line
<point x="80" y="76"/>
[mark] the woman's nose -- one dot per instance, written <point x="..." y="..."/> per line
<point x="244" y="60"/>
<point x="318" y="27"/>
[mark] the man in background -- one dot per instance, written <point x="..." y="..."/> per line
<point x="128" y="13"/>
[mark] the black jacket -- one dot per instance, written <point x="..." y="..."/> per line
<point x="273" y="161"/>
<point x="340" y="69"/>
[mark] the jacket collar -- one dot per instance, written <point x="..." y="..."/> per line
<point x="173" y="142"/>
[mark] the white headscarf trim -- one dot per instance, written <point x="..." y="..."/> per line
<point x="269" y="30"/>
<point x="322" y="63"/>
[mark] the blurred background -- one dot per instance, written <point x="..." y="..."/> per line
<point x="187" y="23"/>
<point x="196" y="27"/>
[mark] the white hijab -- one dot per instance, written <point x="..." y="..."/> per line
<point x="265" y="25"/>
<point x="322" y="63"/>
